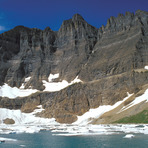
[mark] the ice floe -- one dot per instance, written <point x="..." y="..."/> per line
<point x="22" y="145"/>
<point x="75" y="130"/>
<point x="13" y="92"/>
<point x="79" y="130"/>
<point x="7" y="139"/>
<point x="129" y="136"/>
<point x="57" y="86"/>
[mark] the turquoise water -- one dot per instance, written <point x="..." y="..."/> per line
<point x="45" y="139"/>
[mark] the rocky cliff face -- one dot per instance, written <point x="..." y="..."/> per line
<point x="108" y="60"/>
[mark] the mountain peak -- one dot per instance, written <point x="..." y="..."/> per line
<point x="47" y="29"/>
<point x="140" y="12"/>
<point x="77" y="17"/>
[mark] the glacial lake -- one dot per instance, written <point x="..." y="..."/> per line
<point x="45" y="139"/>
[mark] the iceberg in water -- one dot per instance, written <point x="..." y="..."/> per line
<point x="129" y="136"/>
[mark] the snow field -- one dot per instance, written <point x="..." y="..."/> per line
<point x="13" y="92"/>
<point x="29" y="123"/>
<point x="137" y="100"/>
<point x="57" y="86"/>
<point x="146" y="67"/>
<point x="97" y="112"/>
<point x="24" y="122"/>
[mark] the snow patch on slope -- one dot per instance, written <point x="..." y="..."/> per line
<point x="146" y="67"/>
<point x="137" y="100"/>
<point x="92" y="114"/>
<point x="97" y="112"/>
<point x="23" y="84"/>
<point x="24" y="122"/>
<point x="57" y="86"/>
<point x="23" y="118"/>
<point x="13" y="92"/>
<point x="53" y="76"/>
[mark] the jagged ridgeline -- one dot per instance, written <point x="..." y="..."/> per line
<point x="109" y="61"/>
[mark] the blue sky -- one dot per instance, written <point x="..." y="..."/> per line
<point x="43" y="13"/>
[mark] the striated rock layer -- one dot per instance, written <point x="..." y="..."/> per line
<point x="109" y="61"/>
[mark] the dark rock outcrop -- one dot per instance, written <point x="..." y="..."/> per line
<point x="107" y="60"/>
